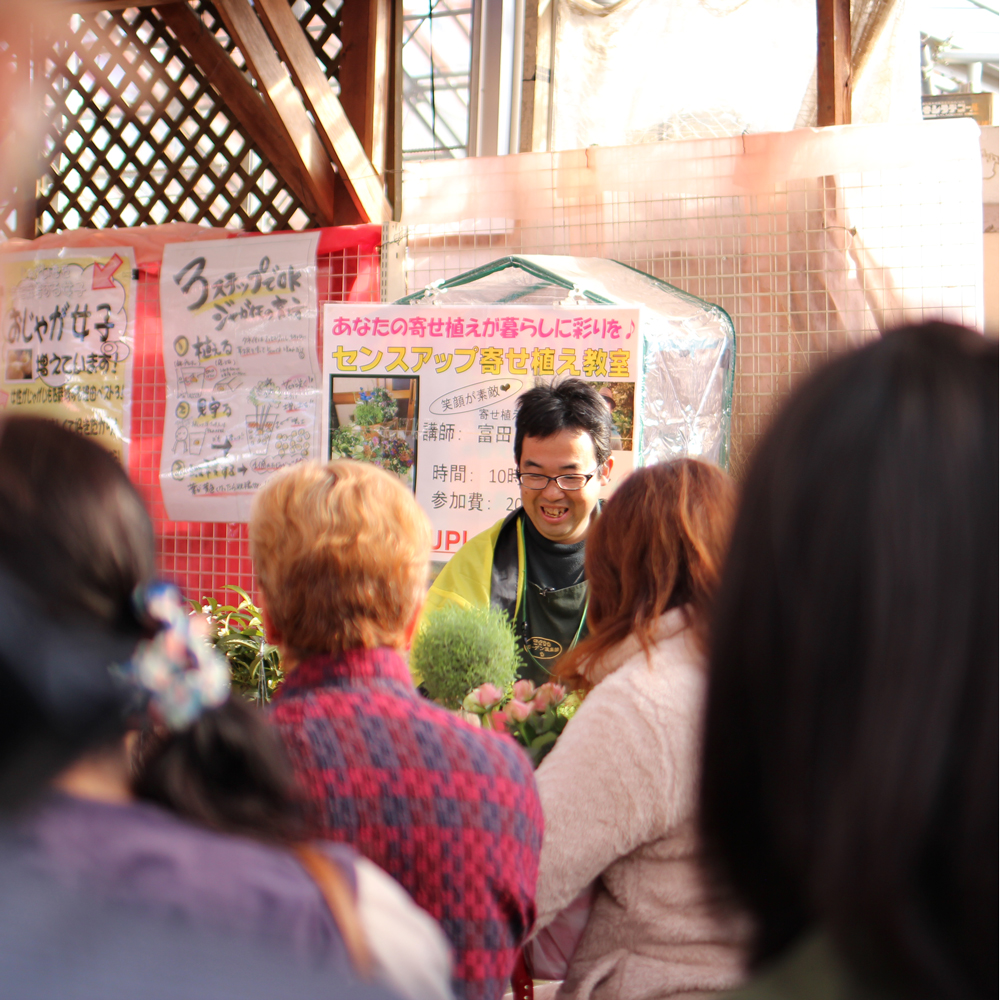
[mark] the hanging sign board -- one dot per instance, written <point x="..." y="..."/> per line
<point x="430" y="394"/>
<point x="68" y="318"/>
<point x="243" y="388"/>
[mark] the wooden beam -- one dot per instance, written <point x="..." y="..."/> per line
<point x="833" y="62"/>
<point x="247" y="105"/>
<point x="393" y="171"/>
<point x="364" y="72"/>
<point x="280" y="93"/>
<point x="528" y="75"/>
<point x="96" y="6"/>
<point x="363" y="182"/>
<point x="545" y="59"/>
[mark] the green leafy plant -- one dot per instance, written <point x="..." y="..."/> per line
<point x="382" y="396"/>
<point x="535" y="717"/>
<point x="375" y="406"/>
<point x="366" y="414"/>
<point x="236" y="632"/>
<point x="347" y="441"/>
<point x="623" y="412"/>
<point x="457" y="649"/>
<point x="397" y="455"/>
<point x="623" y="422"/>
<point x="387" y="451"/>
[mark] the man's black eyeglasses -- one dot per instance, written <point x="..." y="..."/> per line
<point x="570" y="483"/>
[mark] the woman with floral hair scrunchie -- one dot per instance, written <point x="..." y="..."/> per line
<point x="204" y="831"/>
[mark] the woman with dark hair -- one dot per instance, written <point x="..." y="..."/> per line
<point x="88" y="621"/>
<point x="620" y="856"/>
<point x="849" y="792"/>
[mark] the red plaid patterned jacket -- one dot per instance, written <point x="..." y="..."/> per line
<point x="449" y="810"/>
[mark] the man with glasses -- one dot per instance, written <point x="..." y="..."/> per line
<point x="530" y="564"/>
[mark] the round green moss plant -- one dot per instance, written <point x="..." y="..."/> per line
<point x="457" y="649"/>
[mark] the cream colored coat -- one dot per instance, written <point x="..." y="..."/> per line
<point x="619" y="794"/>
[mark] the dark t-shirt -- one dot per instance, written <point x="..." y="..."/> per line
<point x="553" y="604"/>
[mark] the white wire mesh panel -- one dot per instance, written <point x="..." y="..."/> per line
<point x="811" y="240"/>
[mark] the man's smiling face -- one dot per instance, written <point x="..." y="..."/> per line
<point x="562" y="515"/>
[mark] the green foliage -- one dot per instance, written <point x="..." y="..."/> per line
<point x="395" y="455"/>
<point x="375" y="407"/>
<point x="366" y="414"/>
<point x="623" y="422"/>
<point x="382" y="398"/>
<point x="386" y="450"/>
<point x="458" y="649"/>
<point x="623" y="413"/>
<point x="535" y="717"/>
<point x="347" y="441"/>
<point x="539" y="732"/>
<point x="237" y="633"/>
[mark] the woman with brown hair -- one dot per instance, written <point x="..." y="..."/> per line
<point x="620" y="856"/>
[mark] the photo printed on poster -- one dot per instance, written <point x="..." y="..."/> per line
<point x="243" y="388"/>
<point x="430" y="394"/>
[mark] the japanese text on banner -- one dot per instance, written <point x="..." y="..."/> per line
<point x="239" y="348"/>
<point x="68" y="339"/>
<point x="430" y="394"/>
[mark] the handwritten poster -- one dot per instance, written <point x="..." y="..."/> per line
<point x="68" y="317"/>
<point x="243" y="386"/>
<point x="430" y="393"/>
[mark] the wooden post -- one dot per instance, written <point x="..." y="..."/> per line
<point x="833" y="62"/>
<point x="248" y="107"/>
<point x="342" y="144"/>
<point x="279" y="91"/>
<point x="365" y="65"/>
<point x="394" y="119"/>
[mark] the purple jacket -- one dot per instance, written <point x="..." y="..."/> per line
<point x="139" y="854"/>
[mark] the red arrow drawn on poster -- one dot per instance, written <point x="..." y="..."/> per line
<point x="104" y="274"/>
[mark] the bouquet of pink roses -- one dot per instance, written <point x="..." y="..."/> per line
<point x="534" y="716"/>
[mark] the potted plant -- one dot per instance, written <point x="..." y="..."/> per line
<point x="458" y="649"/>
<point x="468" y="660"/>
<point x="237" y="633"/>
<point x="534" y="716"/>
<point x="375" y="406"/>
<point x="346" y="441"/>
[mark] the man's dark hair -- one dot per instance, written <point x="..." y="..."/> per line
<point x="568" y="405"/>
<point x="849" y="780"/>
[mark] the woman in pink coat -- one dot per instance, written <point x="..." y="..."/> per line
<point x="620" y="886"/>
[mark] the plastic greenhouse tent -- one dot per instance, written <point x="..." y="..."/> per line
<point x="689" y="345"/>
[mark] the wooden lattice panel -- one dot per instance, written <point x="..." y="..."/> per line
<point x="138" y="136"/>
<point x="322" y="21"/>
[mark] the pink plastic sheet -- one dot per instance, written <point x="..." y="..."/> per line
<point x="812" y="240"/>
